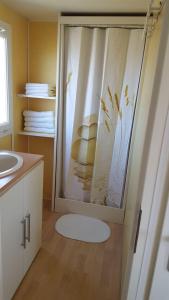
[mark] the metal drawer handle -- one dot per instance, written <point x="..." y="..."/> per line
<point x="23" y="222"/>
<point x="138" y="230"/>
<point x="28" y="236"/>
<point x="168" y="266"/>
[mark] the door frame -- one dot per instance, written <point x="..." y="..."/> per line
<point x="155" y="189"/>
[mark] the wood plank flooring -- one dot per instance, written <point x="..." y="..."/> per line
<point x="65" y="269"/>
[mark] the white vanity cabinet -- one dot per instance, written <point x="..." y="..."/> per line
<point x="160" y="281"/>
<point x="20" y="229"/>
<point x="11" y="215"/>
<point x="33" y="194"/>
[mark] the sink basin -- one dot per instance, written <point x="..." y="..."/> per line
<point x="9" y="163"/>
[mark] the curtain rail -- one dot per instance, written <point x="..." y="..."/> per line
<point x="103" y="21"/>
<point x="134" y="14"/>
<point x="107" y="26"/>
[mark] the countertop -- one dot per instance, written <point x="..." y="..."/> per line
<point x="29" y="161"/>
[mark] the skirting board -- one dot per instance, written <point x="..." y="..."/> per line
<point x="105" y="213"/>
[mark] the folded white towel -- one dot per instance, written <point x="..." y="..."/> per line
<point x="39" y="125"/>
<point x="31" y="113"/>
<point x="39" y="119"/>
<point x="40" y="88"/>
<point x="41" y="94"/>
<point x="38" y="94"/>
<point x="36" y="88"/>
<point x="35" y="129"/>
<point x="30" y="84"/>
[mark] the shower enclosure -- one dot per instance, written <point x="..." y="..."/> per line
<point x="100" y="69"/>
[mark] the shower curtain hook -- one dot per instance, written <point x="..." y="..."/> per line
<point x="152" y="15"/>
<point x="149" y="5"/>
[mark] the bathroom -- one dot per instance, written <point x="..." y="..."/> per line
<point x="87" y="72"/>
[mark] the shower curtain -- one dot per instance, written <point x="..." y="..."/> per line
<point x="101" y="77"/>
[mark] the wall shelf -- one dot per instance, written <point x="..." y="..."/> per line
<point x="38" y="134"/>
<point x="36" y="97"/>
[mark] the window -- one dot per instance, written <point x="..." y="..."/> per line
<point x="5" y="80"/>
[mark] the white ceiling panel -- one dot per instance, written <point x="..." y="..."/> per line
<point x="48" y="9"/>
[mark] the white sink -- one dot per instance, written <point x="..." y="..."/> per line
<point x="9" y="163"/>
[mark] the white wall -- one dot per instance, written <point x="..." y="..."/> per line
<point x="139" y="154"/>
<point x="156" y="179"/>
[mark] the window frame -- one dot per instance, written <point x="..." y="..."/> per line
<point x="6" y="128"/>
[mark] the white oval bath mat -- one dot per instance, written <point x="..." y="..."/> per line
<point x="82" y="228"/>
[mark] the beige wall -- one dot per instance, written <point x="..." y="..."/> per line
<point x="42" y="68"/>
<point x="41" y="55"/>
<point x="6" y="143"/>
<point x="19" y="27"/>
<point x="137" y="164"/>
<point x="42" y="51"/>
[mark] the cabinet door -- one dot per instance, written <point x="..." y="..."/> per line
<point x="11" y="238"/>
<point x="33" y="193"/>
<point x="160" y="283"/>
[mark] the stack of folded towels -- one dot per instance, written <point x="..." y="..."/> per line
<point x="40" y="89"/>
<point x="39" y="121"/>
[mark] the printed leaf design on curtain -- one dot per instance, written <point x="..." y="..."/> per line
<point x="126" y="96"/>
<point x="68" y="80"/>
<point x="107" y="125"/>
<point x="115" y="107"/>
<point x="104" y="108"/>
<point x="110" y="96"/>
<point x="106" y="112"/>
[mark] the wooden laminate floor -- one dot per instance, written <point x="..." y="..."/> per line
<point x="65" y="269"/>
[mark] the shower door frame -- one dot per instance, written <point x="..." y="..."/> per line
<point x="68" y="205"/>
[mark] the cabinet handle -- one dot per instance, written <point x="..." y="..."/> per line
<point x="28" y="236"/>
<point x="23" y="222"/>
<point x="168" y="266"/>
<point x="138" y="229"/>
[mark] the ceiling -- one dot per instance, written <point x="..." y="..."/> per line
<point x="48" y="9"/>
